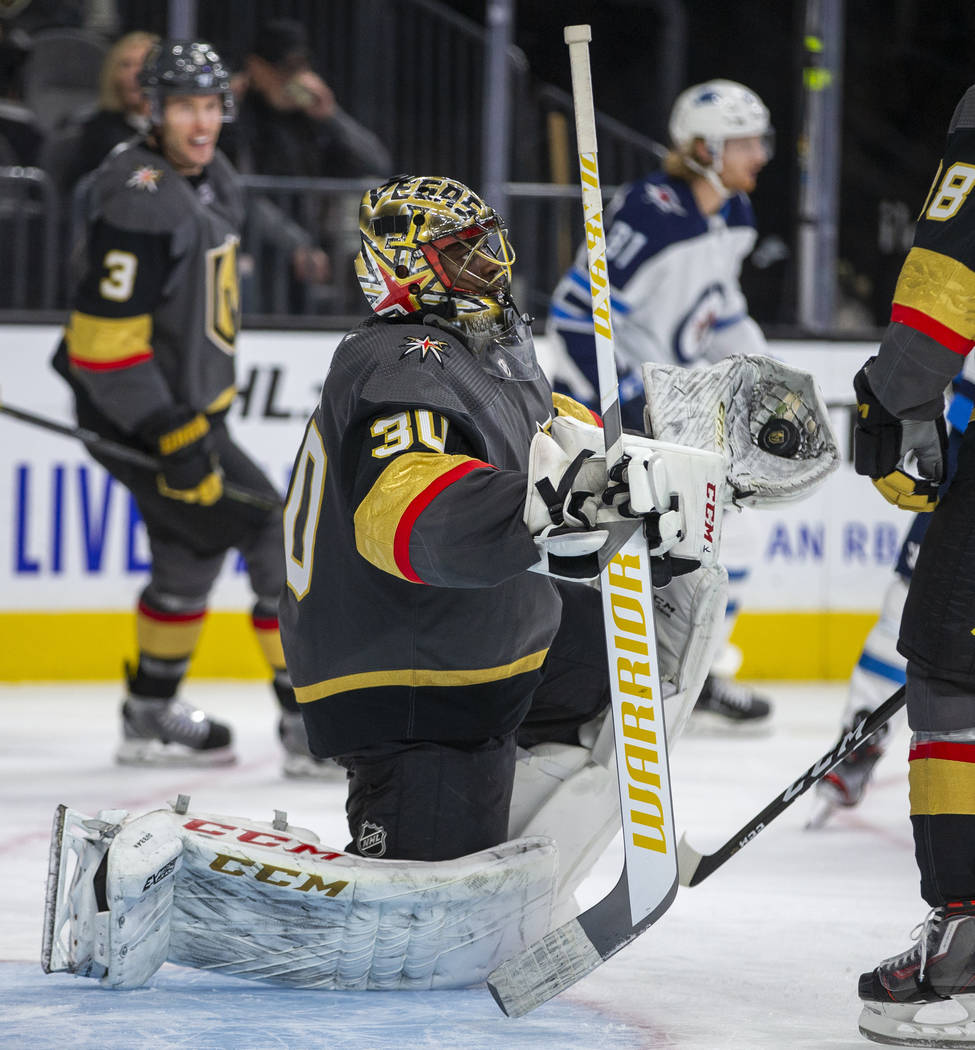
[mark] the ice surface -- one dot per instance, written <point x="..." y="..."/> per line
<point x="764" y="955"/>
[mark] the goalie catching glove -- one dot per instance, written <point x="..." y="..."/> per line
<point x="190" y="468"/>
<point x="766" y="419"/>
<point x="580" y="514"/>
<point x="888" y="450"/>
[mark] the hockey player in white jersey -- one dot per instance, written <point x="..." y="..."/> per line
<point x="675" y="244"/>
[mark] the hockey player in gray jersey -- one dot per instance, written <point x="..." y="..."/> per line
<point x="149" y="354"/>
<point x="414" y="632"/>
<point x="443" y="508"/>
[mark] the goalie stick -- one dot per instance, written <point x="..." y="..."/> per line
<point x="648" y="882"/>
<point x="124" y="452"/>
<point x="696" y="867"/>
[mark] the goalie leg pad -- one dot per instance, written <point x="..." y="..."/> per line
<point x="689" y="615"/>
<point x="569" y="793"/>
<point x="267" y="903"/>
<point x="109" y="918"/>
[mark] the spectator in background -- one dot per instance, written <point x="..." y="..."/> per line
<point x="289" y="123"/>
<point x="289" y="120"/>
<point x="122" y="112"/>
<point x="21" y="137"/>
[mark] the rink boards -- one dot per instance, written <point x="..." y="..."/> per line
<point x="74" y="553"/>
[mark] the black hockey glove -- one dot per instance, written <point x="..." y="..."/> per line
<point x="887" y="450"/>
<point x="190" y="468"/>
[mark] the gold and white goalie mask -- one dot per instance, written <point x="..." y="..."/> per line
<point x="431" y="247"/>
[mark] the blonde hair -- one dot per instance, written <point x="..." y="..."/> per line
<point x="108" y="96"/>
<point x="676" y="165"/>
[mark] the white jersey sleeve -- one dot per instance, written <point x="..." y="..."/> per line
<point x="674" y="277"/>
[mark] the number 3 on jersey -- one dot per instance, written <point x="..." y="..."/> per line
<point x="302" y="510"/>
<point x="950" y="195"/>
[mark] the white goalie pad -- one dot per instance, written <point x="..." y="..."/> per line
<point x="266" y="901"/>
<point x="689" y="617"/>
<point x="569" y="793"/>
<point x="767" y="419"/>
<point x="109" y="895"/>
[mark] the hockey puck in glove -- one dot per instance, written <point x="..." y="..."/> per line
<point x="779" y="437"/>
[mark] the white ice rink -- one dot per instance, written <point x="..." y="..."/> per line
<point x="764" y="955"/>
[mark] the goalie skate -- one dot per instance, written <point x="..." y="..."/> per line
<point x="74" y="916"/>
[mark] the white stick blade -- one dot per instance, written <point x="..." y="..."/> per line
<point x="688" y="859"/>
<point x="549" y="966"/>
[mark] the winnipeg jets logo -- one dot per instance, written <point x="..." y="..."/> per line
<point x="145" y="178"/>
<point x="664" y="198"/>
<point x="434" y="347"/>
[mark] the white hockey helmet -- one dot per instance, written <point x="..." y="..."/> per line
<point x="716" y="111"/>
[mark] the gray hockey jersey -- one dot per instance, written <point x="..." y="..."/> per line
<point x="157" y="311"/>
<point x="409" y="613"/>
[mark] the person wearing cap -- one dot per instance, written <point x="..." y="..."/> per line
<point x="290" y="124"/>
<point x="289" y="121"/>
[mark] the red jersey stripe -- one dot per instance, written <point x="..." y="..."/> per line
<point x="401" y="541"/>
<point x="170" y="617"/>
<point x="943" y="749"/>
<point x="111" y="366"/>
<point x="922" y="322"/>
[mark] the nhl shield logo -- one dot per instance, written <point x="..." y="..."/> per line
<point x="371" y="841"/>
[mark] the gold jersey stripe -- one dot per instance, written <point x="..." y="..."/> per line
<point x="100" y="342"/>
<point x="221" y="401"/>
<point x="167" y="639"/>
<point x="940" y="287"/>
<point x="269" y="639"/>
<point x="568" y="406"/>
<point x="419" y="676"/>
<point x="385" y="507"/>
<point x="941" y="786"/>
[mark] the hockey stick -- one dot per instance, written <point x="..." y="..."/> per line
<point x="696" y="867"/>
<point x="648" y="882"/>
<point x="124" y="453"/>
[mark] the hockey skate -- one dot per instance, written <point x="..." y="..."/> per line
<point x="724" y="704"/>
<point x="845" y="784"/>
<point x="926" y="996"/>
<point x="171" y="733"/>
<point x="299" y="762"/>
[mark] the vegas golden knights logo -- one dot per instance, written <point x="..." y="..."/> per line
<point x="223" y="294"/>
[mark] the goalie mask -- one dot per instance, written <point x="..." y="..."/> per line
<point x="431" y="246"/>
<point x="184" y="67"/>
